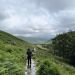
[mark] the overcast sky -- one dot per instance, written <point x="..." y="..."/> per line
<point x="37" y="17"/>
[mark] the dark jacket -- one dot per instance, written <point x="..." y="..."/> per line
<point x="29" y="54"/>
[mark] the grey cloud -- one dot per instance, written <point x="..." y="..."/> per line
<point x="2" y="15"/>
<point x="67" y="20"/>
<point x="37" y="17"/>
<point x="55" y="5"/>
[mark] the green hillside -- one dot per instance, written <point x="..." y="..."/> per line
<point x="12" y="54"/>
<point x="49" y="64"/>
<point x="63" y="45"/>
<point x="49" y="56"/>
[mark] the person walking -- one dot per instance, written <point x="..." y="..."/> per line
<point x="29" y="56"/>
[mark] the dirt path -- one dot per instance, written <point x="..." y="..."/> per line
<point x="32" y="70"/>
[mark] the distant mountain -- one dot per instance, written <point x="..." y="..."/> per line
<point x="34" y="40"/>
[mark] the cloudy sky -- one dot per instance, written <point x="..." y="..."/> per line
<point x="37" y="17"/>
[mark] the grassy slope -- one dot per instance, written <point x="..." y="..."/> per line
<point x="55" y="65"/>
<point x="12" y="54"/>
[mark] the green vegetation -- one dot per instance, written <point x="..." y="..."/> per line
<point x="12" y="54"/>
<point x="47" y="64"/>
<point x="50" y="60"/>
<point x="64" y="46"/>
<point x="50" y="57"/>
<point x="47" y="68"/>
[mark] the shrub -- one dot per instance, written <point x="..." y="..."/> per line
<point x="47" y="68"/>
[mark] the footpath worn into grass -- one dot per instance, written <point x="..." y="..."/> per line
<point x="32" y="70"/>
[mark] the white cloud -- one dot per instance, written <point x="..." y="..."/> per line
<point x="37" y="17"/>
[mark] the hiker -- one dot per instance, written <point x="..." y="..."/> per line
<point x="29" y="56"/>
